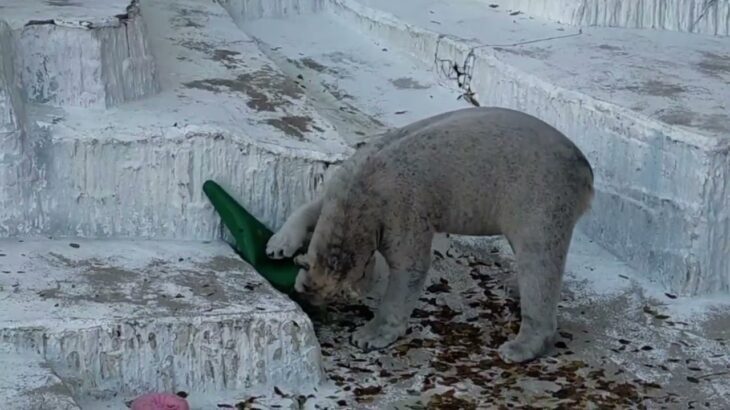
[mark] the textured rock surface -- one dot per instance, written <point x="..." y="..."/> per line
<point x="657" y="139"/>
<point x="131" y="317"/>
<point x="27" y="383"/>
<point x="696" y="16"/>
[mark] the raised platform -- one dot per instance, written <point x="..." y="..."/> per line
<point x="127" y="317"/>
<point x="654" y="127"/>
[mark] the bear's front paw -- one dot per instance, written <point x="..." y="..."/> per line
<point x="376" y="335"/>
<point x="284" y="244"/>
<point x="519" y="351"/>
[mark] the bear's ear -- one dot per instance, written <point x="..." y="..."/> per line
<point x="333" y="263"/>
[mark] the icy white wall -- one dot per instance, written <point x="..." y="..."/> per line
<point x="242" y="10"/>
<point x="152" y="188"/>
<point x="697" y="16"/>
<point x="87" y="67"/>
<point x="672" y="222"/>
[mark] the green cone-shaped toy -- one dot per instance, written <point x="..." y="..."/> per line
<point x="251" y="237"/>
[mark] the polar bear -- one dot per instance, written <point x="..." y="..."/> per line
<point x="476" y="171"/>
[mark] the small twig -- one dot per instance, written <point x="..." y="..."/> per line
<point x="539" y="40"/>
<point x="463" y="73"/>
<point x="708" y="4"/>
<point x="706" y="376"/>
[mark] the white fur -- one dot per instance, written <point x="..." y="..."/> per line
<point x="476" y="171"/>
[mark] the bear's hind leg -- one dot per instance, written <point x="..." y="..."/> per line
<point x="540" y="265"/>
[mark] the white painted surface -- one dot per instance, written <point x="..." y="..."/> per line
<point x="655" y="130"/>
<point x="27" y="383"/>
<point x="696" y="16"/>
<point x="136" y="316"/>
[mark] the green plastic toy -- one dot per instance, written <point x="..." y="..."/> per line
<point x="251" y="237"/>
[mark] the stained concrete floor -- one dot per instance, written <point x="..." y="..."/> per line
<point x="619" y="346"/>
<point x="623" y="343"/>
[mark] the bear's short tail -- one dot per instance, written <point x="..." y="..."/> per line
<point x="588" y="191"/>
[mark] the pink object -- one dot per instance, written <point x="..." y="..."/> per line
<point x="160" y="401"/>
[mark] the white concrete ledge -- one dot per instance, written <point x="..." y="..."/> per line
<point x="152" y="187"/>
<point x="128" y="317"/>
<point x="663" y="202"/>
<point x="97" y="57"/>
<point x="695" y="16"/>
<point x="247" y="10"/>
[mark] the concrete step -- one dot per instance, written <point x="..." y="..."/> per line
<point x="655" y="127"/>
<point x="119" y="318"/>
<point x="27" y="383"/>
<point x="704" y="17"/>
